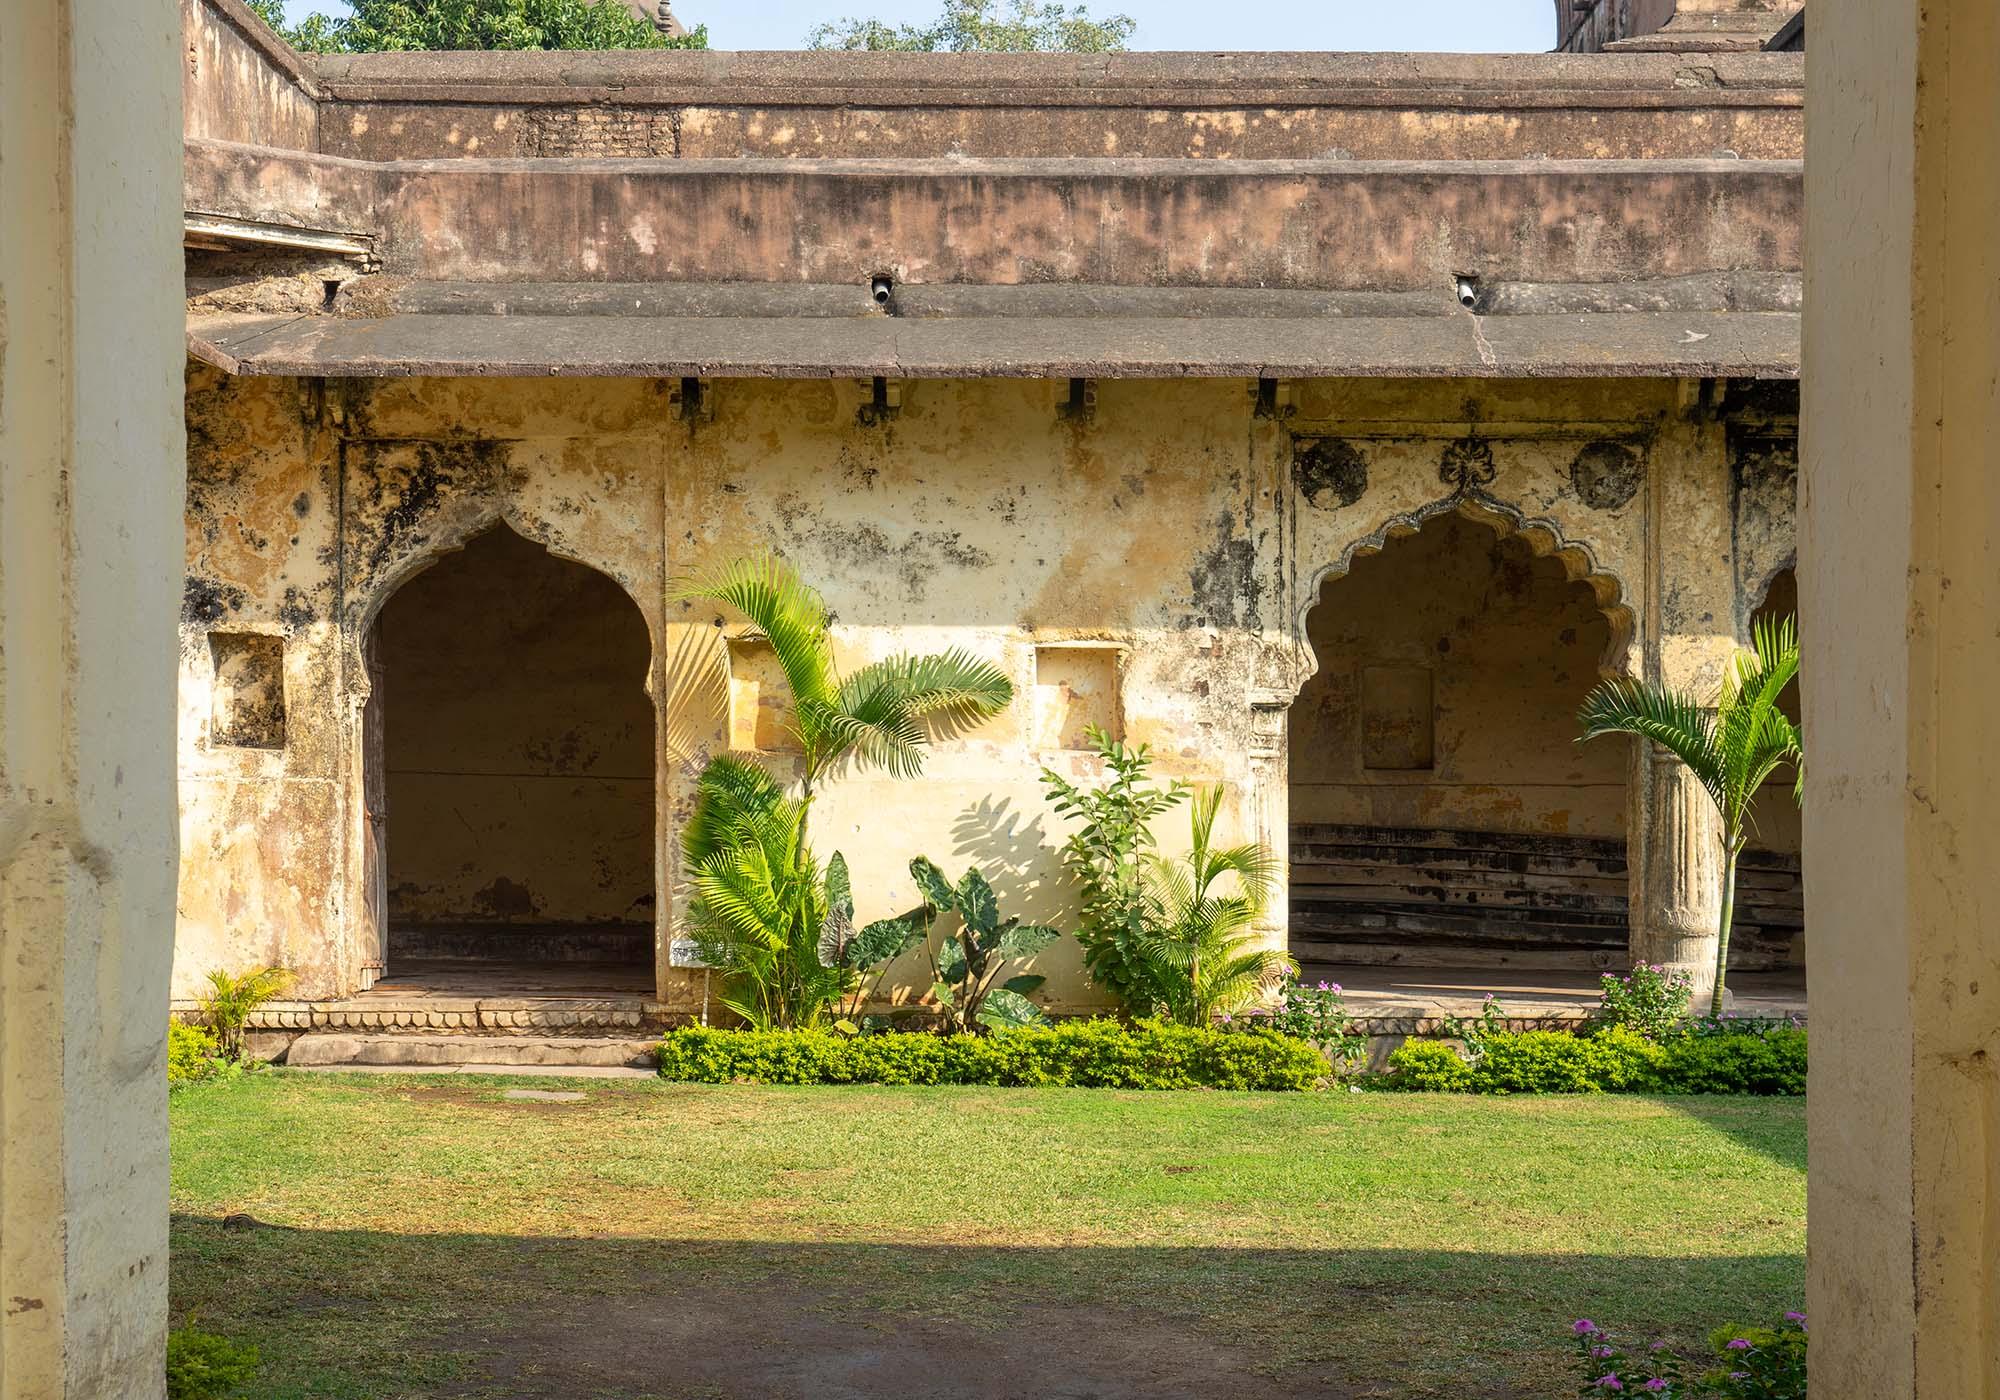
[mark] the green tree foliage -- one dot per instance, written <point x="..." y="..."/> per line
<point x="1198" y="952"/>
<point x="1730" y="747"/>
<point x="762" y="912"/>
<point x="977" y="26"/>
<point x="378" y="26"/>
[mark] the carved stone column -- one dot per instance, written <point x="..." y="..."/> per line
<point x="1268" y="804"/>
<point x="1675" y="868"/>
<point x="1688" y="637"/>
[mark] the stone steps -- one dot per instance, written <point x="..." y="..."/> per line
<point x="499" y="1053"/>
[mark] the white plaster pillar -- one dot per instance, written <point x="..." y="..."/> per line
<point x="1673" y="832"/>
<point x="1900" y="491"/>
<point x="91" y="483"/>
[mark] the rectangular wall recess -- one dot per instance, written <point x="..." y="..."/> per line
<point x="759" y="698"/>
<point x="249" y="692"/>
<point x="1077" y="686"/>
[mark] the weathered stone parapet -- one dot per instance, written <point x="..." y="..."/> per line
<point x="1228" y="106"/>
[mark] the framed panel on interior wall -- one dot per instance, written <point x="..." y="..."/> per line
<point x="1077" y="686"/>
<point x="1398" y="719"/>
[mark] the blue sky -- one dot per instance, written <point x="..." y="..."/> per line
<point x="1475" y="26"/>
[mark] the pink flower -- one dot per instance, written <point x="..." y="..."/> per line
<point x="1739" y="1344"/>
<point x="1656" y="1384"/>
<point x="1600" y="1352"/>
<point x="1797" y="1317"/>
<point x="1609" y="1382"/>
<point x="1584" y="1327"/>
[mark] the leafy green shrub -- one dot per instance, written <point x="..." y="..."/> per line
<point x="1758" y="1363"/>
<point x="204" y="1366"/>
<point x="192" y="1054"/>
<point x="1319" y="1016"/>
<point x="1556" y="1062"/>
<point x="1199" y="953"/>
<point x="1651" y="999"/>
<point x="1080" y="1054"/>
<point x="1429" y="1067"/>
<point x="1771" y="1063"/>
<point x="1615" y="1060"/>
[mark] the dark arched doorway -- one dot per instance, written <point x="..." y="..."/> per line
<point x="1769" y="929"/>
<point x="1442" y="813"/>
<point x="515" y="788"/>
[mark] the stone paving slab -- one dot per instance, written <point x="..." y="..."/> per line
<point x="326" y="1048"/>
<point x="517" y="1071"/>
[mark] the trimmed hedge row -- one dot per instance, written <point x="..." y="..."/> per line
<point x="1095" y="1054"/>
<point x="1611" y="1061"/>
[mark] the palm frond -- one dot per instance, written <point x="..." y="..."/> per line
<point x="950" y="690"/>
<point x="1756" y="680"/>
<point x="1676" y="722"/>
<point x="1234" y="982"/>
<point x="729" y="788"/>
<point x="1256" y="870"/>
<point x="883" y="738"/>
<point x="786" y="611"/>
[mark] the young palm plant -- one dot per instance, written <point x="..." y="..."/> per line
<point x="760" y="902"/>
<point x="1195" y="961"/>
<point x="758" y="898"/>
<point x="1731" y="748"/>
<point x="227" y="1005"/>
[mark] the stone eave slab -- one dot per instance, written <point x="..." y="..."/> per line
<point x="1730" y="344"/>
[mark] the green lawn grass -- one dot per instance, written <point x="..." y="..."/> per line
<point x="437" y="1239"/>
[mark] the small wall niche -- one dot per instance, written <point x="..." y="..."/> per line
<point x="1076" y="686"/>
<point x="759" y="698"/>
<point x="249" y="690"/>
<point x="1398" y="725"/>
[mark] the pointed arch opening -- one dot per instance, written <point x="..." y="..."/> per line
<point x="1442" y="814"/>
<point x="510" y="773"/>
<point x="1768" y="934"/>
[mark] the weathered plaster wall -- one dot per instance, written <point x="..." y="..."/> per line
<point x="519" y="742"/>
<point x="1505" y="645"/>
<point x="1149" y="561"/>
<point x="264" y="831"/>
